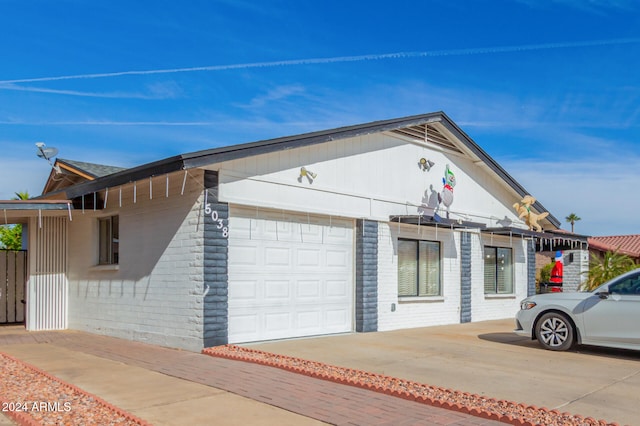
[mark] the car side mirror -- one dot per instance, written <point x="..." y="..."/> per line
<point x="603" y="294"/>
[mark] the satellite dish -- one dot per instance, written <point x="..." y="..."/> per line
<point x="47" y="153"/>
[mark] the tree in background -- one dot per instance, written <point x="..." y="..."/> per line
<point x="11" y="235"/>
<point x="602" y="269"/>
<point x="572" y="219"/>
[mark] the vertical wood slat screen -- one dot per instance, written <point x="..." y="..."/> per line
<point x="48" y="289"/>
<point x="13" y="273"/>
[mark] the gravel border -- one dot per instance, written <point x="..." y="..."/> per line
<point x="31" y="396"/>
<point x="476" y="405"/>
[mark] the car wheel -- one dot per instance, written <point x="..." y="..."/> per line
<point x="554" y="331"/>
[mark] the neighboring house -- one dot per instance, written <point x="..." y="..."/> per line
<point x="623" y="244"/>
<point x="386" y="225"/>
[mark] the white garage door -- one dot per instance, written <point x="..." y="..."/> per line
<point x="289" y="275"/>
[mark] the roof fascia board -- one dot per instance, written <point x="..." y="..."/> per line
<point x="217" y="155"/>
<point x="75" y="170"/>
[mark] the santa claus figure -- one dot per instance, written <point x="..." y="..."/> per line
<point x="556" y="273"/>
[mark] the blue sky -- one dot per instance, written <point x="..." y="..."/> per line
<point x="549" y="88"/>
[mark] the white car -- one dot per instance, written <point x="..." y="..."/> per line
<point x="608" y="316"/>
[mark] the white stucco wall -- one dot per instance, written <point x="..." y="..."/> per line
<point x="155" y="294"/>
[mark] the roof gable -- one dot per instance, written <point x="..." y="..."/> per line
<point x="66" y="173"/>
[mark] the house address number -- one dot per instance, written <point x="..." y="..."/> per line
<point x="216" y="219"/>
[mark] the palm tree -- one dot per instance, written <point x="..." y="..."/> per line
<point x="572" y="219"/>
<point x="22" y="195"/>
<point x="602" y="269"/>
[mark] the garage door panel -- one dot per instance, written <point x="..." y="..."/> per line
<point x="334" y="318"/>
<point x="244" y="255"/>
<point x="337" y="289"/>
<point x="277" y="256"/>
<point x="338" y="259"/>
<point x="244" y="325"/>
<point x="308" y="289"/>
<point x="308" y="258"/>
<point x="309" y="320"/>
<point x="311" y="233"/>
<point x="276" y="290"/>
<point x="336" y="234"/>
<point x="246" y="290"/>
<point x="277" y="322"/>
<point x="289" y="279"/>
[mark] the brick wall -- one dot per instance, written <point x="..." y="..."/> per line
<point x="216" y="271"/>
<point x="366" y="276"/>
<point x="156" y="293"/>
<point x="466" y="277"/>
<point x="576" y="264"/>
<point x="490" y="307"/>
<point x="396" y="314"/>
<point x="463" y="297"/>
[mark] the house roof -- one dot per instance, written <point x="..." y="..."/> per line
<point x="407" y="126"/>
<point x="624" y="244"/>
<point x="66" y="173"/>
<point x="90" y="169"/>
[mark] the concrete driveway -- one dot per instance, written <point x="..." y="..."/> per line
<point x="487" y="358"/>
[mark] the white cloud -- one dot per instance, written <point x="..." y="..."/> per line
<point x="157" y="91"/>
<point x="276" y="94"/>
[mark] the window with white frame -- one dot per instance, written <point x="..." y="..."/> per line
<point x="109" y="239"/>
<point x="498" y="270"/>
<point x="418" y="268"/>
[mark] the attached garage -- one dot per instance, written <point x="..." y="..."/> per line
<point x="290" y="275"/>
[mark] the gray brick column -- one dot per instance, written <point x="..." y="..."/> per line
<point x="216" y="299"/>
<point x="465" y="277"/>
<point x="531" y="267"/>
<point x="366" y="276"/>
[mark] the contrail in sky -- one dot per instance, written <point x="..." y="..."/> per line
<point x="373" y="57"/>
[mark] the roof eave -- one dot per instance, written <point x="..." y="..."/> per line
<point x="33" y="204"/>
<point x="168" y="165"/>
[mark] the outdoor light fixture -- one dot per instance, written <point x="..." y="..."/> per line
<point x="308" y="174"/>
<point x="425" y="164"/>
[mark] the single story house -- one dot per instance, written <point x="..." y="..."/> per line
<point x="379" y="226"/>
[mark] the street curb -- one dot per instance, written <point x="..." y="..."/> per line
<point x="23" y="418"/>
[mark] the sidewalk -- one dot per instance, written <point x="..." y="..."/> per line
<point x="172" y="387"/>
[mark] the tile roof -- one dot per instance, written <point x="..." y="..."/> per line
<point x="624" y="244"/>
